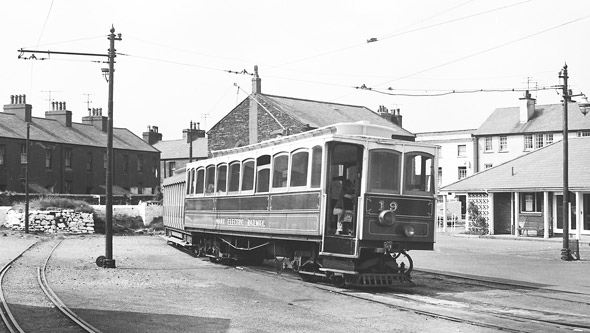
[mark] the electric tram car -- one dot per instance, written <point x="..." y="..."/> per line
<point x="344" y="202"/>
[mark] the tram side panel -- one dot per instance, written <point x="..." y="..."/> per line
<point x="173" y="197"/>
<point x="288" y="215"/>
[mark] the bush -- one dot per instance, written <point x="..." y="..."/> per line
<point x="49" y="203"/>
<point x="477" y="222"/>
<point x="122" y="224"/>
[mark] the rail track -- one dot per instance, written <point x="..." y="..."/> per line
<point x="54" y="314"/>
<point x="471" y="311"/>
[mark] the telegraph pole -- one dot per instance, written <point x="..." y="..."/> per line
<point x="190" y="139"/>
<point x="107" y="260"/>
<point x="27" y="179"/>
<point x="565" y="251"/>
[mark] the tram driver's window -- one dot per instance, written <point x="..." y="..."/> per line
<point x="299" y="165"/>
<point x="200" y="180"/>
<point x="262" y="173"/>
<point x="384" y="171"/>
<point x="418" y="171"/>
<point x="248" y="176"/>
<point x="210" y="180"/>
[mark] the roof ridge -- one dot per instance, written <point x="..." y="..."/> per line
<point x="316" y="101"/>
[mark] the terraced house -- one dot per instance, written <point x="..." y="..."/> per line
<point x="69" y="157"/>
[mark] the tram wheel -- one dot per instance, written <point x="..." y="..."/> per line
<point x="100" y="261"/>
<point x="339" y="281"/>
<point x="308" y="267"/>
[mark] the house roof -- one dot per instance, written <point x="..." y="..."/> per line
<point x="179" y="149"/>
<point x="51" y="130"/>
<point x="319" y="114"/>
<point x="546" y="118"/>
<point x="540" y="170"/>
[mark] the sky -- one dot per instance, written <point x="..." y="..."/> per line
<point x="445" y="64"/>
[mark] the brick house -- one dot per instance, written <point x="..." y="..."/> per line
<point x="261" y="117"/>
<point x="70" y="157"/>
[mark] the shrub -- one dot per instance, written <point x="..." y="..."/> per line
<point x="477" y="222"/>
<point x="122" y="224"/>
<point x="48" y="203"/>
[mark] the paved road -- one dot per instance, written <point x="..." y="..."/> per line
<point x="526" y="260"/>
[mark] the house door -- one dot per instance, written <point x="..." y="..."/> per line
<point x="502" y="213"/>
<point x="559" y="214"/>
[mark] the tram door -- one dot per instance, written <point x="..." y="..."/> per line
<point x="343" y="184"/>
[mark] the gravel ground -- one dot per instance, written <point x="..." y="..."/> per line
<point x="156" y="288"/>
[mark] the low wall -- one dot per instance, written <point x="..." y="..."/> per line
<point x="147" y="211"/>
<point x="51" y="221"/>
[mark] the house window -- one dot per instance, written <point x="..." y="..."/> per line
<point x="531" y="202"/>
<point x="488" y="165"/>
<point x="462" y="172"/>
<point x="488" y="144"/>
<point x="68" y="160"/>
<point x="125" y="163"/>
<point x="89" y="162"/>
<point x="548" y="139"/>
<point x="155" y="167"/>
<point x="461" y="150"/>
<point x="583" y="133"/>
<point x="48" y="156"/>
<point x="2" y="154"/>
<point x="503" y="143"/>
<point x="171" y="168"/>
<point x="23" y="154"/>
<point x="528" y="142"/>
<point x="68" y="186"/>
<point x="140" y="163"/>
<point x="538" y="141"/>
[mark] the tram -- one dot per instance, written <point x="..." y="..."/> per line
<point x="344" y="202"/>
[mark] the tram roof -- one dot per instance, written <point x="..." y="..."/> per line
<point x="357" y="129"/>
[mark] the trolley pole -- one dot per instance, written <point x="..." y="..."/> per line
<point x="109" y="262"/>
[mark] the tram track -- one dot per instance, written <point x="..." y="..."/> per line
<point x="28" y="302"/>
<point x="478" y="314"/>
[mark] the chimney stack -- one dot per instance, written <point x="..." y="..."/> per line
<point x="394" y="115"/>
<point x="527" y="107"/>
<point x="19" y="107"/>
<point x="96" y="119"/>
<point x="193" y="133"/>
<point x="152" y="136"/>
<point x="60" y="113"/>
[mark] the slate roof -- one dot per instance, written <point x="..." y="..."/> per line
<point x="546" y="118"/>
<point x="540" y="170"/>
<point x="179" y="149"/>
<point x="51" y="130"/>
<point x="319" y="114"/>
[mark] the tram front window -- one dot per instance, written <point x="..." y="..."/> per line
<point x="418" y="174"/>
<point x="384" y="171"/>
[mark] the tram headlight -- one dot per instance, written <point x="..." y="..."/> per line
<point x="387" y="218"/>
<point x="409" y="230"/>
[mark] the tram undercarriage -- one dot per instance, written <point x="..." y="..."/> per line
<point x="371" y="269"/>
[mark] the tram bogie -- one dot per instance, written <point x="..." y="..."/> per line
<point x="344" y="203"/>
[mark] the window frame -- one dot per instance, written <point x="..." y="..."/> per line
<point x="293" y="168"/>
<point x="2" y="155"/>
<point x="536" y="202"/>
<point x="200" y="181"/>
<point x="218" y="178"/>
<point x="68" y="156"/>
<point x="315" y="174"/>
<point x="429" y="175"/>
<point x="528" y="142"/>
<point x="503" y="144"/>
<point x="243" y="175"/>
<point x="461" y="150"/>
<point x="231" y="175"/>
<point x="461" y="170"/>
<point x="285" y="174"/>
<point x="210" y="178"/>
<point x="396" y="179"/>
<point x="488" y="144"/>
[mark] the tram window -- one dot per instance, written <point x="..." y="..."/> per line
<point x="263" y="173"/>
<point x="221" y="178"/>
<point x="210" y="179"/>
<point x="192" y="182"/>
<point x="384" y="171"/>
<point x="418" y="173"/>
<point x="316" y="166"/>
<point x="188" y="181"/>
<point x="280" y="171"/>
<point x="248" y="176"/>
<point x="234" y="177"/>
<point x="200" y="180"/>
<point x="299" y="165"/>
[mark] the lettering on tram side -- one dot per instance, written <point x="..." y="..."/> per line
<point x="241" y="222"/>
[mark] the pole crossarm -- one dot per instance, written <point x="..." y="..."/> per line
<point x="22" y="51"/>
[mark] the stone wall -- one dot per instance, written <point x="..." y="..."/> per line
<point x="51" y="221"/>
